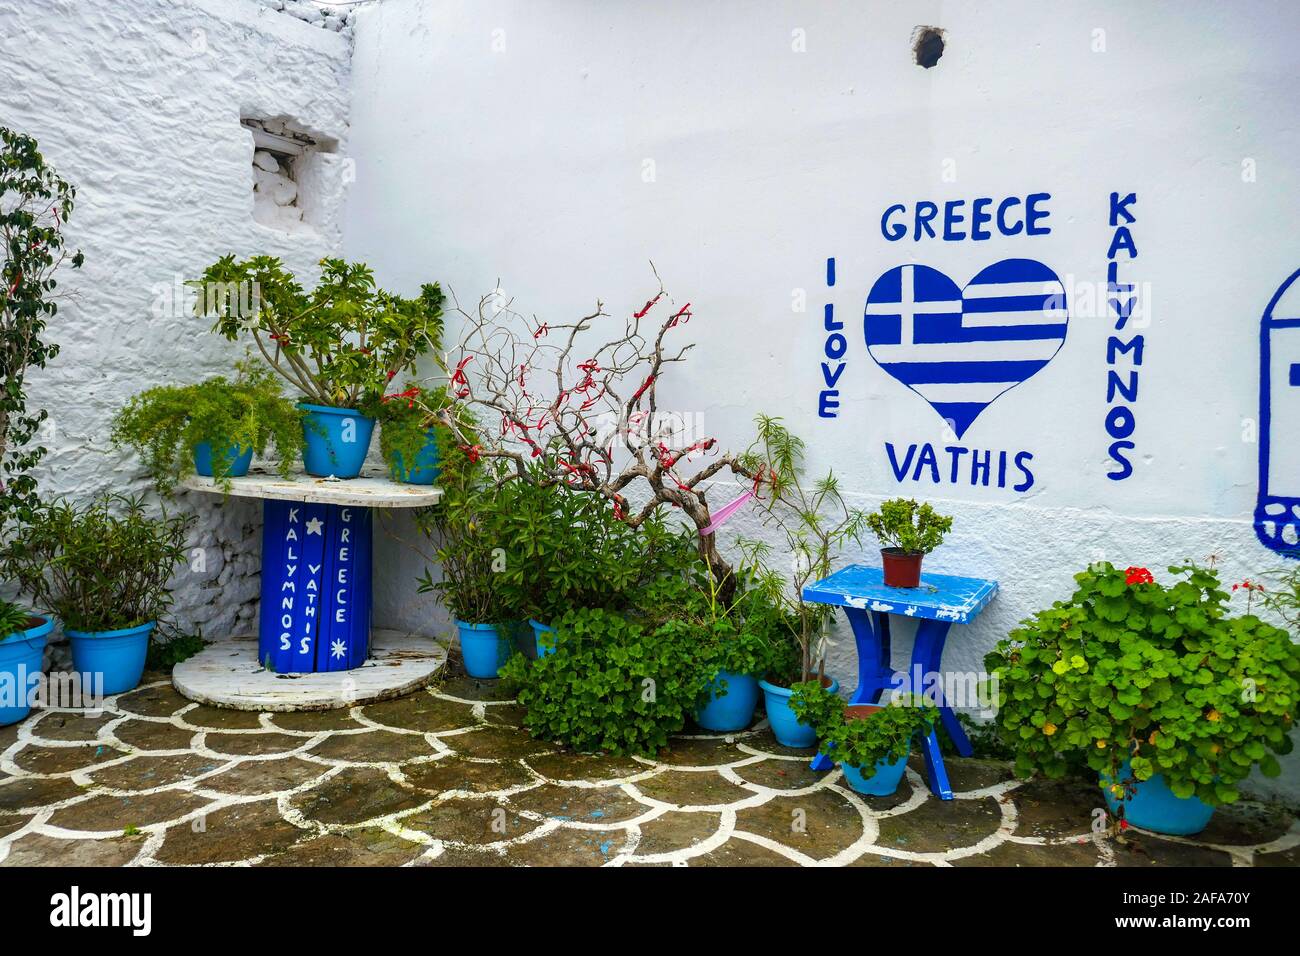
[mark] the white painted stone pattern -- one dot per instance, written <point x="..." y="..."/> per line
<point x="138" y="104"/>
<point x="560" y="146"/>
<point x="331" y="17"/>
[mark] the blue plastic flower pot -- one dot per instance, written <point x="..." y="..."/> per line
<point x="21" y="655"/>
<point x="883" y="781"/>
<point x="425" y="469"/>
<point x="732" y="700"/>
<point x="483" y="649"/>
<point x="237" y="468"/>
<point x="337" y="440"/>
<point x="543" y="633"/>
<point x="1155" y="807"/>
<point x="117" y="656"/>
<point x="790" y="731"/>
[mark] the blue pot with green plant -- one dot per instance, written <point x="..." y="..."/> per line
<point x="483" y="649"/>
<point x="1148" y="684"/>
<point x="732" y="700"/>
<point x="409" y="436"/>
<point x="870" y="742"/>
<point x="789" y="729"/>
<point x="103" y="569"/>
<point x="22" y="654"/>
<point x="212" y="429"/>
<point x="544" y="637"/>
<point x="335" y="440"/>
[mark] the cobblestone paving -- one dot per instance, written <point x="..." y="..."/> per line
<point x="446" y="777"/>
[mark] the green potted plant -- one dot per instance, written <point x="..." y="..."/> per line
<point x="1159" y="689"/>
<point x="816" y="523"/>
<point x="22" y="654"/>
<point x="103" y="570"/>
<point x="340" y="344"/>
<point x="870" y="742"/>
<point x="410" y="434"/>
<point x="465" y="525"/>
<point x="908" y="531"/>
<point x="212" y="428"/>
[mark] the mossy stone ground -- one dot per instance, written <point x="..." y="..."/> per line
<point x="447" y="777"/>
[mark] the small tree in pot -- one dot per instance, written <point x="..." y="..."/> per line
<point x="908" y="531"/>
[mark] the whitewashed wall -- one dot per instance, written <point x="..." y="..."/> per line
<point x="138" y="104"/>
<point x="562" y="145"/>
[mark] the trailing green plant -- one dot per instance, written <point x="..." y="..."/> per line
<point x="35" y="203"/>
<point x="98" y="567"/>
<point x="884" y="735"/>
<point x="1162" y="676"/>
<point x="165" y="424"/>
<point x="406" y="418"/>
<point x="816" y="523"/>
<point x="340" y="344"/>
<point x="904" y="524"/>
<point x="612" y="684"/>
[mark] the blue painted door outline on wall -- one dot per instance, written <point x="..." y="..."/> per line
<point x="960" y="349"/>
<point x="1277" y="512"/>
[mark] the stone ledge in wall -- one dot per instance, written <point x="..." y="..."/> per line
<point x="336" y="19"/>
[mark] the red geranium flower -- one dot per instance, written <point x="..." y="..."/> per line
<point x="1138" y="576"/>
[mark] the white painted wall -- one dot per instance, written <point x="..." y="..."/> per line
<point x="138" y="104"/>
<point x="511" y="140"/>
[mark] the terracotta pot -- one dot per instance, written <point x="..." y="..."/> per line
<point x="902" y="568"/>
<point x="861" y="711"/>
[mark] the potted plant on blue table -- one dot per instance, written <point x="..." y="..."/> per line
<point x="341" y="345"/>
<point x="212" y="428"/>
<point x="1159" y="690"/>
<point x="103" y="570"/>
<point x="909" y="531"/>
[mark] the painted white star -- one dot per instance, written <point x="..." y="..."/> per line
<point x="314" y="526"/>
<point x="338" y="649"/>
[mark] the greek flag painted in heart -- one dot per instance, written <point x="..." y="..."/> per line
<point x="960" y="349"/>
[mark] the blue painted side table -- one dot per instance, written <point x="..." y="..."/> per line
<point x="316" y="564"/>
<point x="941" y="601"/>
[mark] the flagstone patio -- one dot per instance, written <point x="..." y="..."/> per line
<point x="446" y="777"/>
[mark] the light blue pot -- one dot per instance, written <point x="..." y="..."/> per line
<point x="732" y="701"/>
<point x="238" y="462"/>
<point x="425" y="469"/>
<point x="883" y="781"/>
<point x="483" y="649"/>
<point x="117" y="656"/>
<point x="543" y="632"/>
<point x="21" y="655"/>
<point x="790" y="731"/>
<point x="337" y="440"/>
<point x="1155" y="807"/>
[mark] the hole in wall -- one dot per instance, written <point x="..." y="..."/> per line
<point x="927" y="46"/>
<point x="285" y="173"/>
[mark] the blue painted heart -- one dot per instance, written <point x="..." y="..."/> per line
<point x="960" y="349"/>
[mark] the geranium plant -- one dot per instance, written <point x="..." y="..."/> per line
<point x="166" y="423"/>
<point x="883" y="735"/>
<point x="341" y="343"/>
<point x="1160" y="675"/>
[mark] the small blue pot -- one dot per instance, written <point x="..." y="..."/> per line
<point x="1155" y="807"/>
<point x="238" y="463"/>
<point x="790" y="731"/>
<point x="21" y="655"/>
<point x="483" y="649"/>
<point x="337" y="440"/>
<point x="732" y="700"/>
<point x="540" y="629"/>
<point x="883" y="781"/>
<point x="118" y="656"/>
<point x="425" y="469"/>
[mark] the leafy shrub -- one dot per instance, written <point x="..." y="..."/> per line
<point x="340" y="344"/>
<point x="914" y="528"/>
<point x="886" y="734"/>
<point x="611" y="684"/>
<point x="95" y="569"/>
<point x="1160" y="675"/>
<point x="165" y="424"/>
<point x="406" y="418"/>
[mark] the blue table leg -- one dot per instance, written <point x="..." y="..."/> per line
<point x="821" y="762"/>
<point x="935" y="771"/>
<point x="316" y="562"/>
<point x="927" y="659"/>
